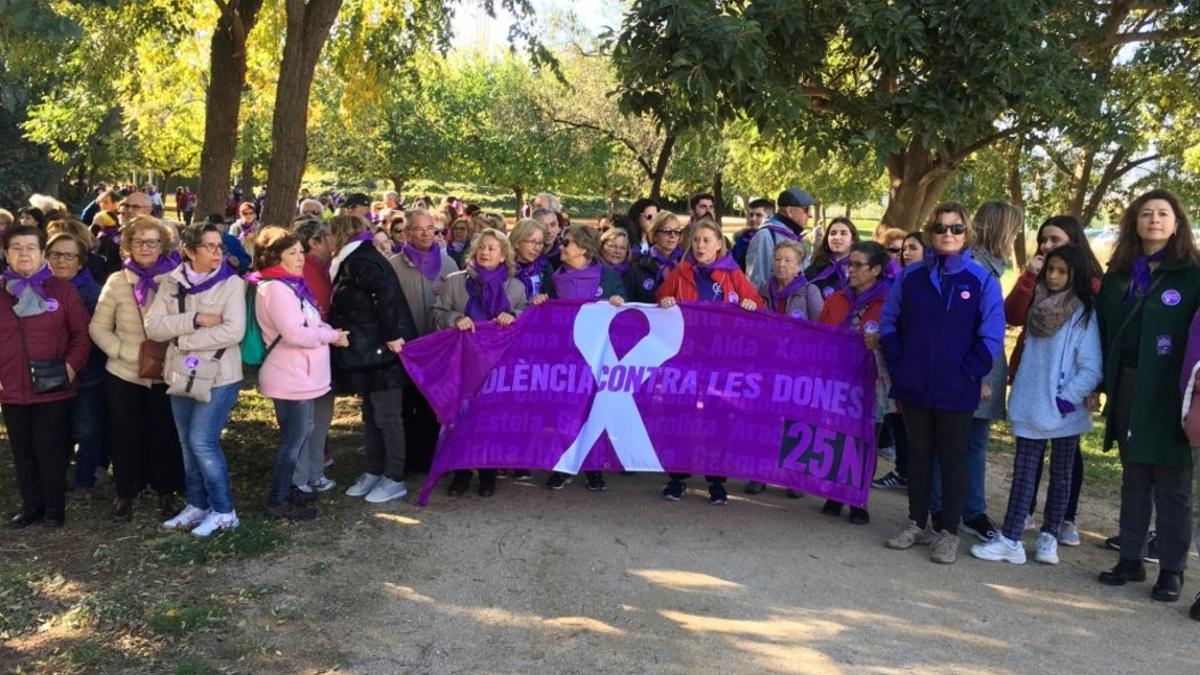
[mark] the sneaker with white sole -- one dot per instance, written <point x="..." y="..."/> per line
<point x="216" y="521"/>
<point x="386" y="490"/>
<point x="1046" y="549"/>
<point x="324" y="484"/>
<point x="1000" y="548"/>
<point x="186" y="519"/>
<point x="944" y="549"/>
<point x="306" y="489"/>
<point x="1068" y="534"/>
<point x="364" y="484"/>
<point x="911" y="535"/>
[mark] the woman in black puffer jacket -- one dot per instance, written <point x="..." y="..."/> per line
<point x="367" y="302"/>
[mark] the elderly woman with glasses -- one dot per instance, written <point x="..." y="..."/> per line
<point x="143" y="444"/>
<point x="43" y="325"/>
<point x="651" y="268"/>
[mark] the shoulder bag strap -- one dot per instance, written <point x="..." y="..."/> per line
<point x="1137" y="307"/>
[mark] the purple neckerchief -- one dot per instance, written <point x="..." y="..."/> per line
<point x="429" y="262"/>
<point x="527" y="271"/>
<point x="397" y="248"/>
<point x="577" y="284"/>
<point x="486" y="297"/>
<point x="365" y="235"/>
<point x="292" y="281"/>
<point x="665" y="264"/>
<point x="555" y="252"/>
<point x="777" y="226"/>
<point x="16" y="283"/>
<point x="892" y="270"/>
<point x="249" y="230"/>
<point x="838" y="267"/>
<point x="725" y="263"/>
<point x="621" y="269"/>
<point x="457" y="246"/>
<point x="83" y="278"/>
<point x="1139" y="276"/>
<point x="223" y="272"/>
<point x="146" y="282"/>
<point x="175" y="257"/>
<point x="113" y="233"/>
<point x="859" y="301"/>
<point x="779" y="296"/>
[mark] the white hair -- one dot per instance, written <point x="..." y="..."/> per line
<point x="46" y="203"/>
<point x="551" y="201"/>
<point x="312" y="202"/>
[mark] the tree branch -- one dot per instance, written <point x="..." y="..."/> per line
<point x="1151" y="36"/>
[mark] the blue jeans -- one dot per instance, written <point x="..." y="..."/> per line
<point x="199" y="426"/>
<point x="979" y="436"/>
<point x="89" y="426"/>
<point x="295" y="420"/>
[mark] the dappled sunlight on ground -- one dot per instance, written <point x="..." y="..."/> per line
<point x="677" y="580"/>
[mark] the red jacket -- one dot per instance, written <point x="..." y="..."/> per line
<point x="1016" y="309"/>
<point x="681" y="285"/>
<point x="316" y="277"/>
<point x="838" y="306"/>
<point x="62" y="333"/>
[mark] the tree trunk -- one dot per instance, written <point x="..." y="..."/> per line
<point x="1079" y="182"/>
<point x="247" y="179"/>
<point x="660" y="167"/>
<point x="916" y="185"/>
<point x="847" y="212"/>
<point x="717" y="190"/>
<point x="398" y="185"/>
<point x="1012" y="173"/>
<point x="308" y="25"/>
<point x="223" y="101"/>
<point x="519" y="195"/>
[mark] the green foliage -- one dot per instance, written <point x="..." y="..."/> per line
<point x="252" y="539"/>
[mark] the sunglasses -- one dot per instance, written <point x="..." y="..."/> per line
<point x="671" y="233"/>
<point x="895" y="250"/>
<point x="955" y="229"/>
<point x="439" y="233"/>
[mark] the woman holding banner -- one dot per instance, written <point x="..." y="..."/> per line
<point x="788" y="292"/>
<point x="943" y="325"/>
<point x="859" y="307"/>
<point x="708" y="273"/>
<point x="651" y="268"/>
<point x="485" y="291"/>
<point x="583" y="277"/>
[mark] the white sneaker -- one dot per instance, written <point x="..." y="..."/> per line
<point x="1000" y="548"/>
<point x="364" y="484"/>
<point x="1047" y="549"/>
<point x="323" y="484"/>
<point x="306" y="488"/>
<point x="386" y="490"/>
<point x="1068" y="534"/>
<point x="217" y="521"/>
<point x="1029" y="524"/>
<point x="186" y="519"/>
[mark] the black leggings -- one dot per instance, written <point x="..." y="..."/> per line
<point x="893" y="425"/>
<point x="940" y="433"/>
<point x="39" y="435"/>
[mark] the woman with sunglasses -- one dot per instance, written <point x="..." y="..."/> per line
<point x="642" y="214"/>
<point x="649" y="270"/>
<point x="942" y="327"/>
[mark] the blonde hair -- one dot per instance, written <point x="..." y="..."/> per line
<point x="72" y="227"/>
<point x="890" y="234"/>
<point x="506" y="247"/>
<point x="138" y="223"/>
<point x="793" y="246"/>
<point x="660" y="220"/>
<point x="996" y="223"/>
<point x="524" y="230"/>
<point x="617" y="233"/>
<point x="711" y="226"/>
<point x="345" y="227"/>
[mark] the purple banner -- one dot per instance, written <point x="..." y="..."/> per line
<point x="703" y="388"/>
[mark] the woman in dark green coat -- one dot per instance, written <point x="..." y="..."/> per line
<point x="1146" y="303"/>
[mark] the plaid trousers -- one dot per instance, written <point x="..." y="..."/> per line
<point x="1024" y="483"/>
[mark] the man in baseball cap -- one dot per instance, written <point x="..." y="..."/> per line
<point x="357" y="204"/>
<point x="791" y="216"/>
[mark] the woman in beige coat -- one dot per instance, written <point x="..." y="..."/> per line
<point x="201" y="310"/>
<point x="142" y="443"/>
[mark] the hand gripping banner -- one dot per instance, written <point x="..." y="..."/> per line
<point x="700" y="388"/>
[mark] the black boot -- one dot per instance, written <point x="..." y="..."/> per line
<point x="1123" y="573"/>
<point x="487" y="482"/>
<point x="462" y="481"/>
<point x="1167" y="588"/>
<point x="832" y="508"/>
<point x="859" y="516"/>
<point x="25" y="518"/>
<point x="1195" y="611"/>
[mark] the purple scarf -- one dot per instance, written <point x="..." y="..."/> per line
<point x="725" y="263"/>
<point x="707" y="289"/>
<point x="781" y="230"/>
<point x="16" y="283"/>
<point x="665" y="264"/>
<point x="146" y="282"/>
<point x="580" y="284"/>
<point x="527" y="271"/>
<point x="838" y="267"/>
<point x="779" y="296"/>
<point x="485" y="292"/>
<point x="429" y="262"/>
<point x="621" y="269"/>
<point x="223" y="272"/>
<point x="1139" y="277"/>
<point x="365" y="235"/>
<point x="113" y="233"/>
<point x="294" y="282"/>
<point x="859" y="302"/>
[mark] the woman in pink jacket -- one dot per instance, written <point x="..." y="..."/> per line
<point x="295" y="371"/>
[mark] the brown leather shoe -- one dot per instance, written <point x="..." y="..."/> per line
<point x="167" y="506"/>
<point x="124" y="510"/>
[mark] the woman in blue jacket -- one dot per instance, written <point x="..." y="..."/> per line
<point x="943" y="324"/>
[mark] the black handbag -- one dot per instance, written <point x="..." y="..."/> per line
<point x="45" y="375"/>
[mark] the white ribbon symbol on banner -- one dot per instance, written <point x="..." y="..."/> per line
<point x="615" y="411"/>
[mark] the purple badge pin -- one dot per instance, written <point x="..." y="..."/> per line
<point x="1163" y="345"/>
<point x="191" y="362"/>
<point x="965" y="295"/>
<point x="51" y="305"/>
<point x="1171" y="297"/>
<point x="648" y="284"/>
<point x="733" y="297"/>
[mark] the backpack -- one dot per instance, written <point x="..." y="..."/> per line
<point x="254" y="348"/>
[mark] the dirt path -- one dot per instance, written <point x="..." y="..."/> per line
<point x="625" y="582"/>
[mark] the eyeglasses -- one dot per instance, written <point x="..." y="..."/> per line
<point x="648" y="216"/>
<point x="895" y="250"/>
<point x="24" y="249"/>
<point x="397" y="231"/>
<point x="145" y="243"/>
<point x="63" y="255"/>
<point x="854" y="264"/>
<point x="956" y="229"/>
<point x="671" y="233"/>
<point x="212" y="248"/>
<point x="439" y="233"/>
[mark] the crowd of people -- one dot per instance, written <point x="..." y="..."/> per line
<point x="127" y="336"/>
